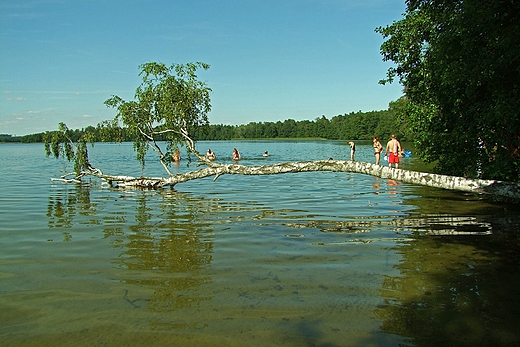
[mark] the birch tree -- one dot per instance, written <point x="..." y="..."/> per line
<point x="170" y="103"/>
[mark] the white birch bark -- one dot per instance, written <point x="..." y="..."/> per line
<point x="497" y="188"/>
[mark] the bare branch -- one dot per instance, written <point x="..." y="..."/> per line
<point x="149" y="137"/>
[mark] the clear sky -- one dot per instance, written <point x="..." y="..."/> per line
<point x="270" y="60"/>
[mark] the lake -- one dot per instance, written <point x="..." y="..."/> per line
<point x="306" y="259"/>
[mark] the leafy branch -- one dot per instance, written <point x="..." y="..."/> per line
<point x="59" y="144"/>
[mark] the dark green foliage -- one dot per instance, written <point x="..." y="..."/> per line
<point x="8" y="138"/>
<point x="352" y="126"/>
<point x="459" y="62"/>
<point x="32" y="138"/>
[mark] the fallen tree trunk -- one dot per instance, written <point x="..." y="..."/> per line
<point x="500" y="189"/>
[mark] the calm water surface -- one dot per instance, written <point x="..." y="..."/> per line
<point x="308" y="259"/>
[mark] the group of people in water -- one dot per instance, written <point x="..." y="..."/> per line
<point x="235" y="155"/>
<point x="393" y="152"/>
<point x="210" y="155"/>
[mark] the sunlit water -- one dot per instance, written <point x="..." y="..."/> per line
<point x="308" y="259"/>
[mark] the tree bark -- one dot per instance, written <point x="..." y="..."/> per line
<point x="509" y="190"/>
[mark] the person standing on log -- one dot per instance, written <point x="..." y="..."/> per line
<point x="378" y="148"/>
<point x="393" y="150"/>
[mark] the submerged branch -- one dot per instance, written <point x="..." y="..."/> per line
<point x="492" y="187"/>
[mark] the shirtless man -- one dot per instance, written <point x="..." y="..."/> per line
<point x="394" y="147"/>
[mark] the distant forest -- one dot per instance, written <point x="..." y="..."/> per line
<point x="353" y="126"/>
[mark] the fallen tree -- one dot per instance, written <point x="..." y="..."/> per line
<point x="490" y="187"/>
<point x="171" y="101"/>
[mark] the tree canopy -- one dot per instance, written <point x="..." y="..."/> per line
<point x="458" y="61"/>
<point x="170" y="103"/>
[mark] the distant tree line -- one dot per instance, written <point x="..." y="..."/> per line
<point x="353" y="126"/>
<point x="33" y="138"/>
<point x="38" y="137"/>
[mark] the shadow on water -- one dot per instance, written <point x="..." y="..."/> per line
<point x="453" y="292"/>
<point x="459" y="277"/>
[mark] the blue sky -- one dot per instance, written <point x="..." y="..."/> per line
<point x="270" y="60"/>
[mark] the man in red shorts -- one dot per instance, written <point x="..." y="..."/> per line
<point x="394" y="147"/>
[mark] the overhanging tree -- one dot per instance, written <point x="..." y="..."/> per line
<point x="459" y="63"/>
<point x="170" y="104"/>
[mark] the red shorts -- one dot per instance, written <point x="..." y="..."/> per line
<point x="393" y="158"/>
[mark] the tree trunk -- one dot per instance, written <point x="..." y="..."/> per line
<point x="496" y="188"/>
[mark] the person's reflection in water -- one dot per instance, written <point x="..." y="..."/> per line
<point x="392" y="186"/>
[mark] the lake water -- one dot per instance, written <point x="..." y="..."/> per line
<point x="307" y="259"/>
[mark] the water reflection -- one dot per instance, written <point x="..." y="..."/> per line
<point x="459" y="277"/>
<point x="175" y="246"/>
<point x="451" y="293"/>
<point x="426" y="224"/>
<point x="434" y="278"/>
<point x="160" y="233"/>
<point x="63" y="207"/>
